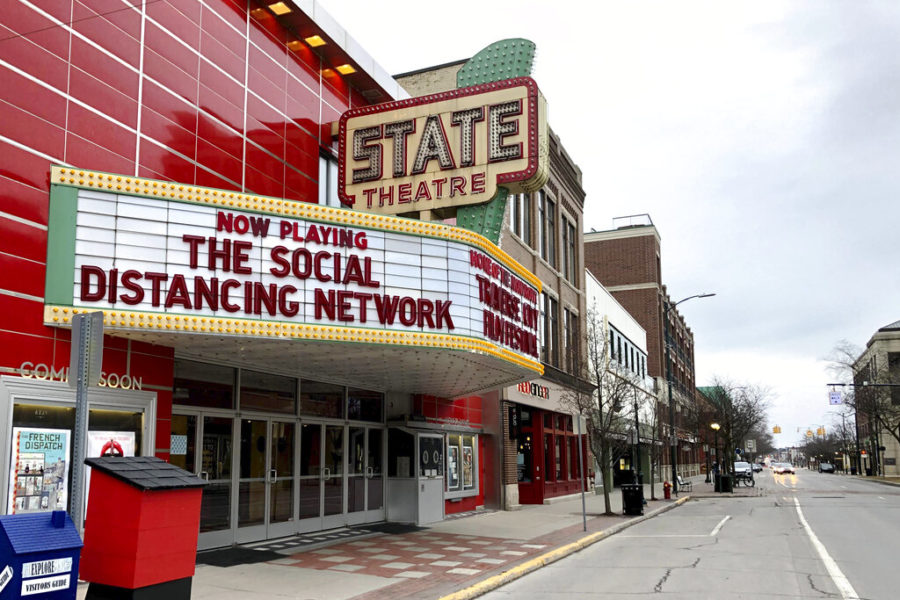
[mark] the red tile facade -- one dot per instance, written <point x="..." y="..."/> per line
<point x="180" y="93"/>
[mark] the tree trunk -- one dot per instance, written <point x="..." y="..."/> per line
<point x="607" y="477"/>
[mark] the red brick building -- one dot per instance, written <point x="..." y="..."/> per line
<point x="627" y="261"/>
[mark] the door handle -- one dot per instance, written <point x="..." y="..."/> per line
<point x="273" y="476"/>
<point x="370" y="472"/>
<point x="326" y="474"/>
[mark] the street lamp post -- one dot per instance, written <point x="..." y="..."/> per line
<point x="715" y="427"/>
<point x="673" y="442"/>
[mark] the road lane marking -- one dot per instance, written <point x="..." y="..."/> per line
<point x="881" y="497"/>
<point x="837" y="576"/>
<point x="719" y="526"/>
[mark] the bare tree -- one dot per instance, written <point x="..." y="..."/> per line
<point x="875" y="393"/>
<point x="739" y="410"/>
<point x="608" y="407"/>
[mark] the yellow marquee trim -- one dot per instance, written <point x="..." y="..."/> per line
<point x="118" y="320"/>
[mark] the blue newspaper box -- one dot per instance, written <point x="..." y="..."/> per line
<point x="39" y="555"/>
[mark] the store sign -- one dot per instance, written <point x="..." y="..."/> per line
<point x="47" y="567"/>
<point x="444" y="150"/>
<point x="44" y="372"/>
<point x="197" y="267"/>
<point x="45" y="585"/>
<point x="534" y="389"/>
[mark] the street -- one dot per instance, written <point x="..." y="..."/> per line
<point x="808" y="535"/>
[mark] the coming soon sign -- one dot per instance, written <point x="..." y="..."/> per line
<point x="444" y="150"/>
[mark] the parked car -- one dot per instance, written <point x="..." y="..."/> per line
<point x="742" y="468"/>
<point x="826" y="468"/>
<point x="758" y="467"/>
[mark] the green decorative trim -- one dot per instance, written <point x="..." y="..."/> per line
<point x="501" y="60"/>
<point x="59" y="286"/>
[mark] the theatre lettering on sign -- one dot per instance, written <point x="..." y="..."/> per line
<point x="444" y="150"/>
<point x="157" y="256"/>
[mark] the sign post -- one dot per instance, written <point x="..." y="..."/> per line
<point x="85" y="363"/>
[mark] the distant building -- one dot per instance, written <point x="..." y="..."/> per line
<point x="625" y="345"/>
<point x="627" y="261"/>
<point x="879" y="407"/>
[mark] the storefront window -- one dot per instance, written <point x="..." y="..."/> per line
<point x="524" y="458"/>
<point x="319" y="399"/>
<point x="183" y="442"/>
<point x="454" y="454"/>
<point x="401" y="446"/>
<point x="40" y="477"/>
<point x="548" y="455"/>
<point x="525" y="414"/>
<point x="431" y="460"/>
<point x="559" y="457"/>
<point x="573" y="453"/>
<point x="270" y="393"/>
<point x="462" y="465"/>
<point x="204" y="385"/>
<point x="364" y="405"/>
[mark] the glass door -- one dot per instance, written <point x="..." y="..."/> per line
<point x="310" y="477"/>
<point x="211" y="460"/>
<point x="365" y="486"/>
<point x="282" y="518"/>
<point x="333" y="477"/>
<point x="265" y="480"/>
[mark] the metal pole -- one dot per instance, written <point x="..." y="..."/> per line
<point x="637" y="444"/>
<point x="581" y="476"/>
<point x="673" y="439"/>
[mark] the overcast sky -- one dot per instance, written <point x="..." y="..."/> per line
<point x="763" y="138"/>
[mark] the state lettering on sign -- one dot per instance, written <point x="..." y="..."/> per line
<point x="444" y="150"/>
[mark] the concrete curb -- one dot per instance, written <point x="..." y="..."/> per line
<point x="531" y="565"/>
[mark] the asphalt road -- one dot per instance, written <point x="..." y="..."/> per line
<point x="809" y="535"/>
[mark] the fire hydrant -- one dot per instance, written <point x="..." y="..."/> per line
<point x="667" y="490"/>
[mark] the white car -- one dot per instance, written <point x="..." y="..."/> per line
<point x="782" y="468"/>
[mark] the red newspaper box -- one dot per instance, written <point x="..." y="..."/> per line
<point x="140" y="532"/>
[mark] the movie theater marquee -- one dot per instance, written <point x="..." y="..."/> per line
<point x="444" y="150"/>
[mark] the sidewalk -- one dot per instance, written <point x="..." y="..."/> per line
<point x="421" y="563"/>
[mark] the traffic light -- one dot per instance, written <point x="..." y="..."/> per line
<point x="776" y="429"/>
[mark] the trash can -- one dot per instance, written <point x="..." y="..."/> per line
<point x="727" y="484"/>
<point x="717" y="482"/>
<point x="40" y="556"/>
<point x="140" y="534"/>
<point x="632" y="499"/>
<point x="853" y="470"/>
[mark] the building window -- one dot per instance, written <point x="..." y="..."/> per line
<point x="571" y="336"/>
<point x="569" y="259"/>
<point x="542" y="223"/>
<point x="515" y="213"/>
<point x="547" y="228"/>
<point x="203" y="385"/>
<point x="328" y="181"/>
<point x="526" y="220"/>
<point x="550" y="345"/>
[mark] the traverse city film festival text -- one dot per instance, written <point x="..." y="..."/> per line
<point x="510" y="314"/>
